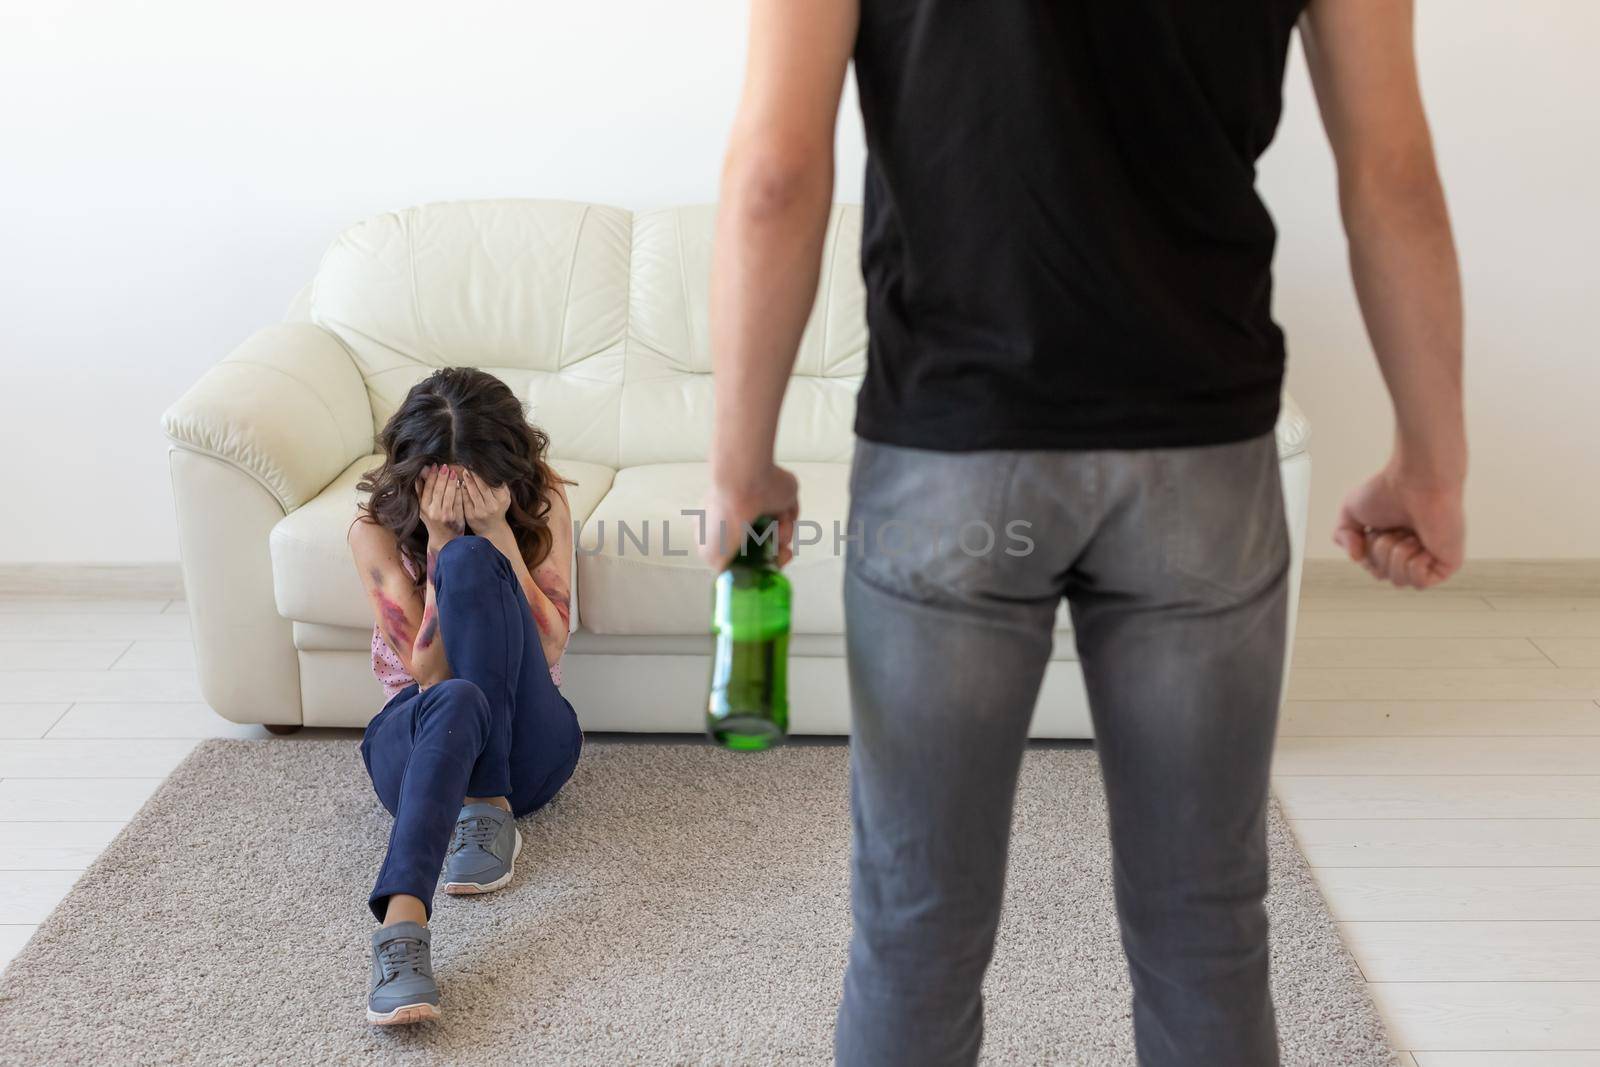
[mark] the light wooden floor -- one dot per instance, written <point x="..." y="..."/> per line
<point x="1439" y="760"/>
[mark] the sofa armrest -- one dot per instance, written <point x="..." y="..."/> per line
<point x="1293" y="429"/>
<point x="288" y="407"/>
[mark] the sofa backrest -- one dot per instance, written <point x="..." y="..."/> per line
<point x="596" y="316"/>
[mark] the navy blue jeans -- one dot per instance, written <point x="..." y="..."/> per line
<point x="497" y="727"/>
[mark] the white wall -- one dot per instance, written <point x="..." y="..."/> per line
<point x="170" y="172"/>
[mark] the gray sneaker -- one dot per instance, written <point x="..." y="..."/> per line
<point x="403" y="989"/>
<point x="483" y="850"/>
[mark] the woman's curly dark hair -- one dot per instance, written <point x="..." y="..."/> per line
<point x="464" y="416"/>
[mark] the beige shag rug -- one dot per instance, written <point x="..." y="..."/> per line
<point x="675" y="905"/>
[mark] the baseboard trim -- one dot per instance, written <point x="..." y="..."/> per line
<point x="1508" y="577"/>
<point x="92" y="580"/>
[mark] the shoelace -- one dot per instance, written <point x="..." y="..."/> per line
<point x="403" y="955"/>
<point x="478" y="830"/>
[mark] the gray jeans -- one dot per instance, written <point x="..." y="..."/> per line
<point x="1174" y="564"/>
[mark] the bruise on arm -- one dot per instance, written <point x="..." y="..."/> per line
<point x="430" y="627"/>
<point x="554" y="587"/>
<point x="392" y="620"/>
<point x="397" y="602"/>
<point x="553" y="580"/>
<point x="430" y="611"/>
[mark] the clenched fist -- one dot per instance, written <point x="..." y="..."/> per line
<point x="1412" y="535"/>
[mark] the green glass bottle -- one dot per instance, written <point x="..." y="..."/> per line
<point x="749" y="706"/>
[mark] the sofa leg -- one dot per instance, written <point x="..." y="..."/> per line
<point x="282" y="728"/>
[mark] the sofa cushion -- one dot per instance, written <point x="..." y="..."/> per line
<point x="313" y="578"/>
<point x="638" y="561"/>
<point x="535" y="291"/>
<point x="666" y="393"/>
<point x="593" y="314"/>
<point x="1293" y="431"/>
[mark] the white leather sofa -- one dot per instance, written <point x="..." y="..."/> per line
<point x="597" y="316"/>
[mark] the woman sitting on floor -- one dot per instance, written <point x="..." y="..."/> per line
<point x="465" y="548"/>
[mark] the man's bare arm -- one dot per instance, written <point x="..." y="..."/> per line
<point x="1404" y="525"/>
<point x="777" y="190"/>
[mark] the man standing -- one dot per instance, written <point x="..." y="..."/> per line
<point x="1068" y="273"/>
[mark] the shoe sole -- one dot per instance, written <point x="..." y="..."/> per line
<point x="472" y="889"/>
<point x="403" y="1015"/>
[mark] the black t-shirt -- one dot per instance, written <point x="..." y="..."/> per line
<point x="1063" y="246"/>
